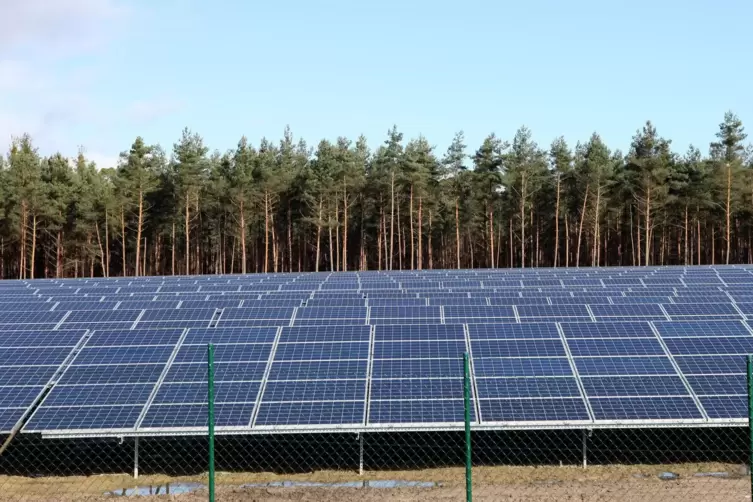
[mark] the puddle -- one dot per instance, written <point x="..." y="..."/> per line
<point x="345" y="484"/>
<point x="166" y="489"/>
<point x="181" y="488"/>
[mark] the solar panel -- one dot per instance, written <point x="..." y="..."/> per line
<point x="533" y="410"/>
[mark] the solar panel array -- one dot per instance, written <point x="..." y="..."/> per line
<point x="377" y="350"/>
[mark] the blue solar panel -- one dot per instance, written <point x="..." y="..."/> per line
<point x="628" y="329"/>
<point x="527" y="387"/>
<point x="533" y="410"/>
<point x="417" y="388"/>
<point x="615" y="347"/>
<point x="517" y="348"/>
<point x="510" y="330"/>
<point x="180" y="416"/>
<point x="96" y="316"/>
<point x="124" y="355"/>
<point x="196" y="393"/>
<point x="638" y="311"/>
<point x="420" y="349"/>
<point x="318" y="370"/>
<point x="553" y="311"/>
<point x="613" y="386"/>
<point x="499" y="312"/>
<point x="178" y="315"/>
<point x="223" y="372"/>
<point x="644" y="408"/>
<point x="710" y="345"/>
<point x="695" y="310"/>
<point x="722" y="407"/>
<point x="311" y="413"/>
<point x="99" y="395"/>
<point x="26" y="375"/>
<point x="315" y="390"/>
<point x="419" y="332"/>
<point x="331" y="313"/>
<point x="309" y="351"/>
<point x="405" y="312"/>
<point x="534" y="367"/>
<point x="702" y="328"/>
<point x="417" y="368"/>
<point x="203" y="336"/>
<point x="87" y="417"/>
<point x="618" y="366"/>
<point x="700" y="365"/>
<point x="718" y="384"/>
<point x="272" y="313"/>
<point x="417" y="411"/>
<point x="134" y="373"/>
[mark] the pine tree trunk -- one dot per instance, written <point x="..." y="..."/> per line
<point x="698" y="236"/>
<point x="22" y="247"/>
<point x="332" y="263"/>
<point x="101" y="250"/>
<point x="345" y="227"/>
<point x="123" y="238"/>
<point x="491" y="235"/>
<point x="266" y="232"/>
<point x="412" y="236"/>
<point x="420" y="258"/>
<point x="244" y="258"/>
<point x="59" y="253"/>
<point x="399" y="241"/>
<point x="379" y="240"/>
<point x="428" y="243"/>
<point x="318" y="235"/>
<point x="648" y="227"/>
<point x="33" y="244"/>
<point x="728" y="210"/>
<point x="172" y="242"/>
<point x="138" y="232"/>
<point x="523" y="221"/>
<point x="337" y="236"/>
<point x="512" y="251"/>
<point x="457" y="230"/>
<point x="557" y="224"/>
<point x="713" y="245"/>
<point x="686" y="235"/>
<point x="188" y="234"/>
<point x="580" y="227"/>
<point x="107" y="245"/>
<point x="567" y="242"/>
<point x="290" y="238"/>
<point x="392" y="218"/>
<point x="595" y="259"/>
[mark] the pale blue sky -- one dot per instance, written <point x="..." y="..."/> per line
<point x="99" y="72"/>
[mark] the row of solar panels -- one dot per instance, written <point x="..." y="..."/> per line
<point x="107" y="303"/>
<point x="393" y="314"/>
<point x="383" y="376"/>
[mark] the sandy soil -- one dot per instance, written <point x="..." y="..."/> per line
<point x="507" y="484"/>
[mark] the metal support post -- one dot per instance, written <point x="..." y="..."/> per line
<point x="750" y="419"/>
<point x="136" y="457"/>
<point x="360" y="454"/>
<point x="585" y="448"/>
<point x="467" y="402"/>
<point x="210" y="399"/>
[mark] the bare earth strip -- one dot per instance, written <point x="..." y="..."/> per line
<point x="508" y="484"/>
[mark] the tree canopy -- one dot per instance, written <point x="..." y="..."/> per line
<point x="282" y="206"/>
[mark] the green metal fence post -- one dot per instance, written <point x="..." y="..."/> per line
<point x="467" y="402"/>
<point x="210" y="399"/>
<point x="750" y="419"/>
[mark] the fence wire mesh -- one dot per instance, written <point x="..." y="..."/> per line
<point x="688" y="465"/>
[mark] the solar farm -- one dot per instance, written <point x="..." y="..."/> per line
<point x="378" y="354"/>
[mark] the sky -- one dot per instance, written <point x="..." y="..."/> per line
<point x="94" y="74"/>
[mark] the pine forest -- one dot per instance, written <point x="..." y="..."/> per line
<point x="397" y="203"/>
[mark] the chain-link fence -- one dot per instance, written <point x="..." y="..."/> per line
<point x="688" y="464"/>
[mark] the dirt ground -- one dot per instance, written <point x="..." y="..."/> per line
<point x="508" y="484"/>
